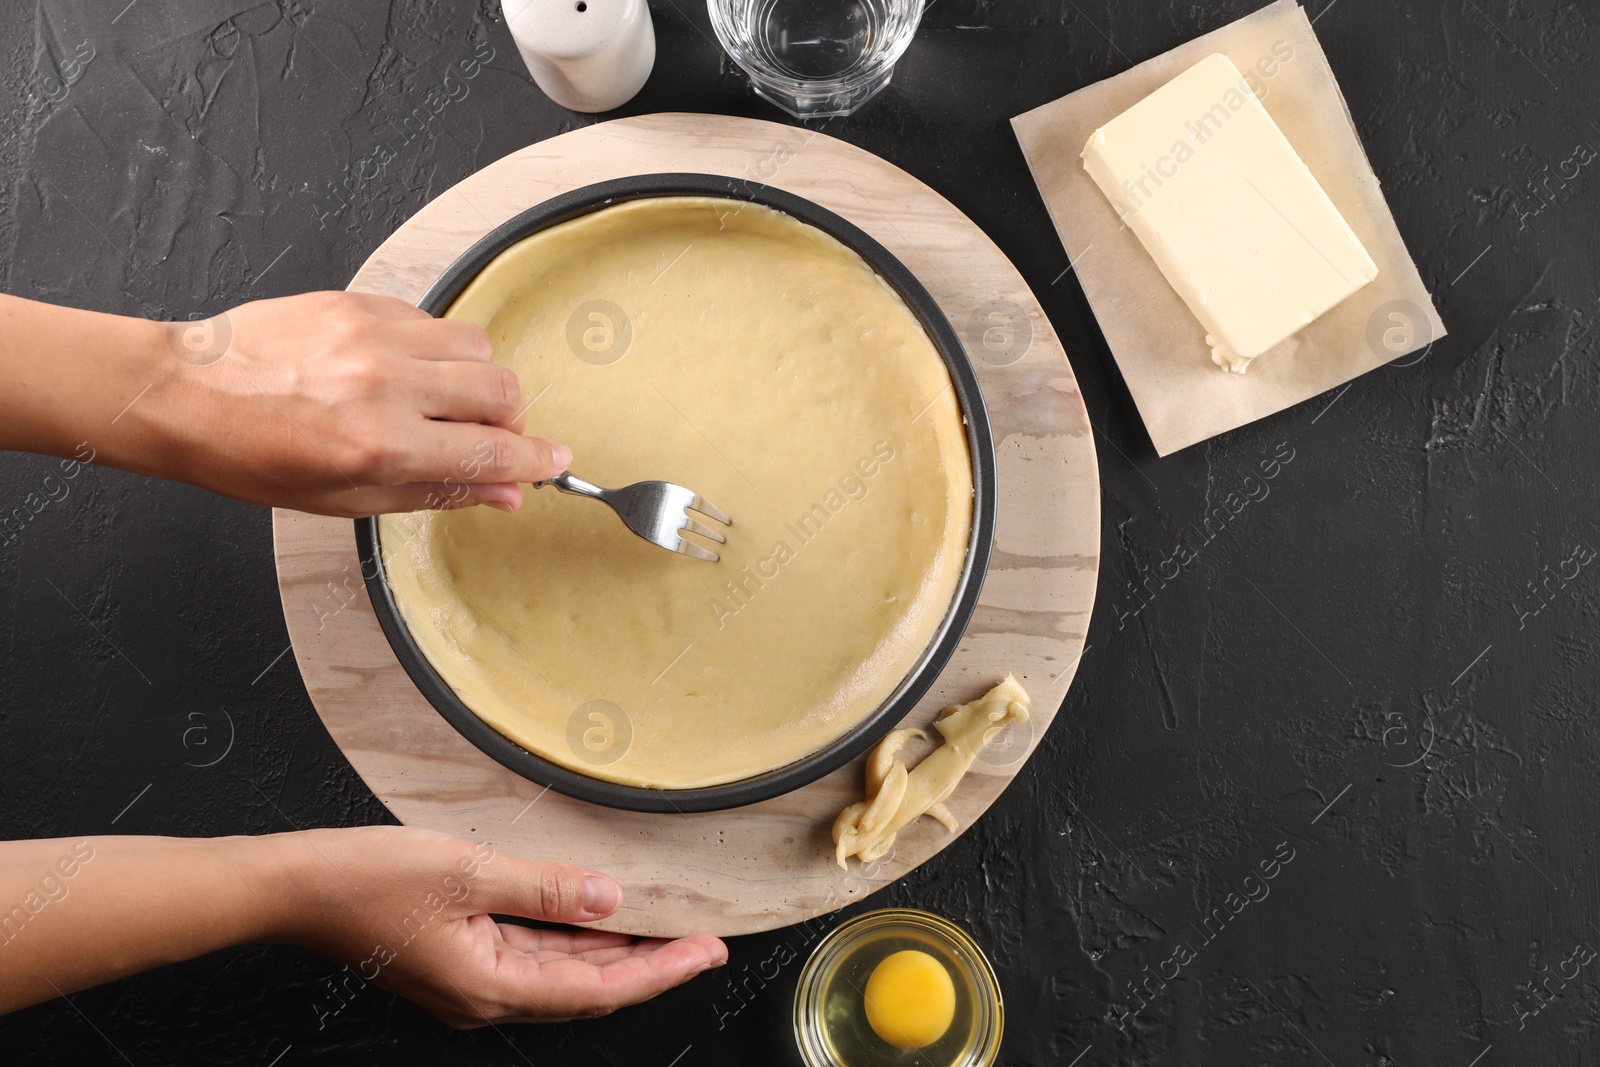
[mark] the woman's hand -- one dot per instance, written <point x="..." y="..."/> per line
<point x="408" y="910"/>
<point x="349" y="404"/>
<point x="340" y="403"/>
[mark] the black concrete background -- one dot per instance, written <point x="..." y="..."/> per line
<point x="1383" y="667"/>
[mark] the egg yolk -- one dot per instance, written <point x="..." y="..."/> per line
<point x="910" y="999"/>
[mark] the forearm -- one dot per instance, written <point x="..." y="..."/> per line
<point x="67" y="377"/>
<point x="75" y="912"/>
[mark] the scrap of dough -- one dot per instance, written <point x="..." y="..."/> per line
<point x="896" y="797"/>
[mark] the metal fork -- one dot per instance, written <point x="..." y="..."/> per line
<point x="656" y="511"/>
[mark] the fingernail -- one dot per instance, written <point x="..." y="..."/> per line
<point x="560" y="455"/>
<point x="505" y="497"/>
<point x="601" y="895"/>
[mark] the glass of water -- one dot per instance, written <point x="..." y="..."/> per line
<point x="816" y="58"/>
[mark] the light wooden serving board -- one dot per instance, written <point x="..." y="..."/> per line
<point x="771" y="864"/>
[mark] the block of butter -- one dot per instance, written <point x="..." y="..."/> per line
<point x="1219" y="198"/>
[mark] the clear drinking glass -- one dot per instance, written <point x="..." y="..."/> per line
<point x="816" y="58"/>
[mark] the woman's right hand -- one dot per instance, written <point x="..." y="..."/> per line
<point x="344" y="404"/>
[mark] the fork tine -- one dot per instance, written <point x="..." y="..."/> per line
<point x="694" y="551"/>
<point x="709" y="510"/>
<point x="701" y="528"/>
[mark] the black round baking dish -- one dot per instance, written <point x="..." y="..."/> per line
<point x="865" y="734"/>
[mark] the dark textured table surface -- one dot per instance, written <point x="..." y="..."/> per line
<point x="1375" y="682"/>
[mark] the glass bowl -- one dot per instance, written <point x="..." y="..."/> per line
<point x="829" y="1004"/>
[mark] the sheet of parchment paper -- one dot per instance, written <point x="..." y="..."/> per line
<point x="1182" y="395"/>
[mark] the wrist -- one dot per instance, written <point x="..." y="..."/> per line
<point x="306" y="893"/>
<point x="150" y="432"/>
<point x="108" y="396"/>
<point x="284" y="883"/>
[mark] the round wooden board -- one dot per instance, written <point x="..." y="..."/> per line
<point x="771" y="864"/>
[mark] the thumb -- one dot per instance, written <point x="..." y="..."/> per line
<point x="554" y="892"/>
<point x="522" y="459"/>
<point x="546" y="458"/>
<point x="511" y="457"/>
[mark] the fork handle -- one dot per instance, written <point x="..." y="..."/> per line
<point x="568" y="482"/>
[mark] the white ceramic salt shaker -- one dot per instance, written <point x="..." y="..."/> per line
<point x="587" y="55"/>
